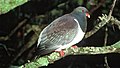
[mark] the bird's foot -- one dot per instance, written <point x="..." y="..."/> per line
<point x="61" y="52"/>
<point x="74" y="46"/>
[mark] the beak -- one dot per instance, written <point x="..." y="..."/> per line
<point x="88" y="15"/>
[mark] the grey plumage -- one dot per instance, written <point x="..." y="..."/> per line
<point x="62" y="31"/>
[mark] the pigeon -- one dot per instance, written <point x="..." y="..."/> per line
<point x="63" y="32"/>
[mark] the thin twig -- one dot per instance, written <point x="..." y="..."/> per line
<point x="19" y="25"/>
<point x="101" y="24"/>
<point x="106" y="34"/>
<point x="105" y="43"/>
<point x="111" y="10"/>
<point x="96" y="28"/>
<point x="4" y="46"/>
<point x="14" y="30"/>
<point x="106" y="62"/>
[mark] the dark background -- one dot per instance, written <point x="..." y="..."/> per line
<point x="51" y="10"/>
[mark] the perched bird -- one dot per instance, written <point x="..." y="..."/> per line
<point x="63" y="32"/>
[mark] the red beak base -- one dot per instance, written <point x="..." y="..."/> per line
<point x="88" y="15"/>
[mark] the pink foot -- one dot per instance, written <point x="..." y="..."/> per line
<point x="61" y="53"/>
<point x="74" y="46"/>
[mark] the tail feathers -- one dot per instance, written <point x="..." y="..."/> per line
<point x="42" y="52"/>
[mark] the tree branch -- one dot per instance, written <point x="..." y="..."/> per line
<point x="105" y="19"/>
<point x="48" y="59"/>
<point x="14" y="30"/>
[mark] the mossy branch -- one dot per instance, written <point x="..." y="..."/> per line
<point x="48" y="59"/>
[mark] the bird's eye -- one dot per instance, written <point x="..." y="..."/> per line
<point x="82" y="10"/>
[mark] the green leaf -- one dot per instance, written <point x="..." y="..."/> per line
<point x="7" y="5"/>
<point x="117" y="45"/>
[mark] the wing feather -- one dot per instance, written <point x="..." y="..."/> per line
<point x="60" y="32"/>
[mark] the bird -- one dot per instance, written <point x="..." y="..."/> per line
<point x="63" y="32"/>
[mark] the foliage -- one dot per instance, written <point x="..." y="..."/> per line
<point x="7" y="5"/>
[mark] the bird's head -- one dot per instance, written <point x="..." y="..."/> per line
<point x="82" y="10"/>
